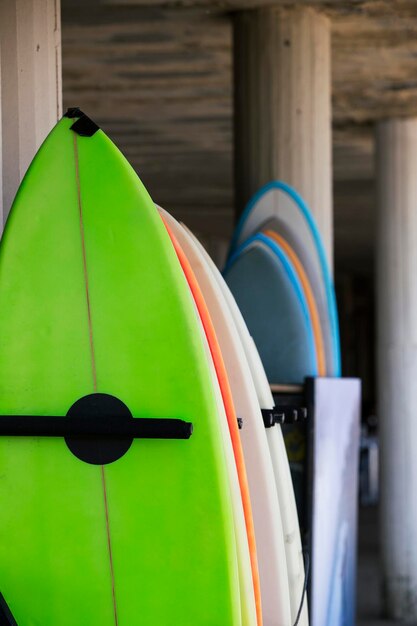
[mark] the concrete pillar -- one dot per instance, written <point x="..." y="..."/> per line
<point x="31" y="90"/>
<point x="396" y="159"/>
<point x="283" y="106"/>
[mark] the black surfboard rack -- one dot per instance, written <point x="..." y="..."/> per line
<point x="290" y="406"/>
<point x="284" y="414"/>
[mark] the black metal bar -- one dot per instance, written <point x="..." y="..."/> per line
<point x="58" y="426"/>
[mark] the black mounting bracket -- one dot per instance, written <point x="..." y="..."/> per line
<point x="283" y="414"/>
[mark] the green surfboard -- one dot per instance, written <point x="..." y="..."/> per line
<point x="94" y="308"/>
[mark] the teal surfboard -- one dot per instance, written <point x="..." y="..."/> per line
<point x="270" y="297"/>
<point x="100" y="341"/>
<point x="280" y="207"/>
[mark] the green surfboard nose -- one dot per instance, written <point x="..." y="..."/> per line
<point x="94" y="306"/>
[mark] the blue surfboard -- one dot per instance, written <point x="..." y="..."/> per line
<point x="270" y="296"/>
<point x="278" y="206"/>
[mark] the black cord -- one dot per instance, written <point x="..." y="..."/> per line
<point x="303" y="595"/>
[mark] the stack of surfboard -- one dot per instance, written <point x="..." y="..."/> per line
<point x="130" y="496"/>
<point x="278" y="272"/>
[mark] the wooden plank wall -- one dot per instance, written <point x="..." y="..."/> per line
<point x="159" y="82"/>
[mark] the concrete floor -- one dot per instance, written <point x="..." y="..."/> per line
<point x="369" y="597"/>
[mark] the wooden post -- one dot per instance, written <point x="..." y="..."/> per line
<point x="396" y="157"/>
<point x="283" y="107"/>
<point x="31" y="91"/>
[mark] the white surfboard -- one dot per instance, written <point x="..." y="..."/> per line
<point x="247" y="596"/>
<point x="289" y="516"/>
<point x="278" y="201"/>
<point x="246" y="590"/>
<point x="269" y="535"/>
<point x="313" y="272"/>
<point x="271" y="298"/>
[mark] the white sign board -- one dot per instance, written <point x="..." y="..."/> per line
<point x="335" y="465"/>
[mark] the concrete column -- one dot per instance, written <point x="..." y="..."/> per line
<point x="31" y="91"/>
<point x="283" y="106"/>
<point x="396" y="152"/>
